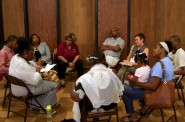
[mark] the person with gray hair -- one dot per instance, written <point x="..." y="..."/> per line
<point x="68" y="56"/>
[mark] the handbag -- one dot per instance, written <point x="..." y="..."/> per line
<point x="50" y="76"/>
<point x="163" y="96"/>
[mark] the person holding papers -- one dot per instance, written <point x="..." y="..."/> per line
<point x="22" y="68"/>
<point x="129" y="64"/>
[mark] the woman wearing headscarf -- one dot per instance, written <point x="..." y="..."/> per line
<point x="131" y="92"/>
<point x="99" y="88"/>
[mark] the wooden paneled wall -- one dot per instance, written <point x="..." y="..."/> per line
<point x="78" y="16"/>
<point x="1" y="27"/>
<point x="42" y="20"/>
<point x="170" y="19"/>
<point x="143" y="21"/>
<point x="13" y="17"/>
<point x="112" y="13"/>
<point x="158" y="20"/>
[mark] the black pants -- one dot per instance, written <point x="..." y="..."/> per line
<point x="62" y="66"/>
<point x="85" y="102"/>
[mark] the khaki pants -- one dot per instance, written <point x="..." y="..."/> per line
<point x="125" y="71"/>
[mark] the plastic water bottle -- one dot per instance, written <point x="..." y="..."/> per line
<point x="49" y="113"/>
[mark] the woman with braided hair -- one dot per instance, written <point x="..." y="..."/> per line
<point x="138" y="85"/>
<point x="143" y="70"/>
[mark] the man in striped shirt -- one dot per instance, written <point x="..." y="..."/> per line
<point x="6" y="53"/>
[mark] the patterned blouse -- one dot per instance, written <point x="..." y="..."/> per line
<point x="6" y="55"/>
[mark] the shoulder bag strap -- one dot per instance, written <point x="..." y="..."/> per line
<point x="163" y="70"/>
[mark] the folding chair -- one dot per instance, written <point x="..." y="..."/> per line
<point x="6" y="90"/>
<point x="85" y="115"/>
<point x="25" y="99"/>
<point x="150" y="110"/>
<point x="179" y="86"/>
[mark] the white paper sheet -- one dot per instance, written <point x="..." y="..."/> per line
<point x="122" y="63"/>
<point x="47" y="67"/>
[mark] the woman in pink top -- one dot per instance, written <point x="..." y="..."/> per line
<point x="143" y="70"/>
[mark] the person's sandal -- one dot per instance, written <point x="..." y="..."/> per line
<point x="142" y="112"/>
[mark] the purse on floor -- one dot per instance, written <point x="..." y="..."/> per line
<point x="163" y="96"/>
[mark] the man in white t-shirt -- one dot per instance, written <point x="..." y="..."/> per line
<point x="177" y="56"/>
<point x="112" y="47"/>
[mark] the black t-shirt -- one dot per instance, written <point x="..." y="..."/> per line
<point x="37" y="55"/>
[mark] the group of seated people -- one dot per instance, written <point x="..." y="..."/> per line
<point x="101" y="87"/>
<point x="135" y="74"/>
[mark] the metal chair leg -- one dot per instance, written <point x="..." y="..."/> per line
<point x="9" y="105"/>
<point x="147" y="111"/>
<point x="5" y="95"/>
<point x="182" y="97"/>
<point x="25" y="115"/>
<point x="178" y="94"/>
<point x="174" y="112"/>
<point x="162" y="115"/>
<point x="117" y="114"/>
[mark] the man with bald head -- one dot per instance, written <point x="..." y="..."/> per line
<point x="112" y="47"/>
<point x="178" y="56"/>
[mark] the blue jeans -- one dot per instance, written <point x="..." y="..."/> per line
<point x="129" y="94"/>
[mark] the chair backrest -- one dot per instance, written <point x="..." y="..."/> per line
<point x="15" y="81"/>
<point x="87" y="114"/>
<point x="18" y="82"/>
